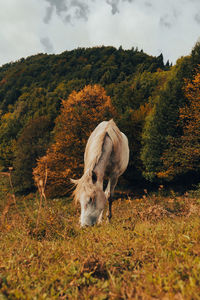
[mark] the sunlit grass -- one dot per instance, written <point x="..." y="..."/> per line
<point x="151" y="249"/>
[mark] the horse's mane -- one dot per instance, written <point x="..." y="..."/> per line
<point x="96" y="142"/>
<point x="81" y="184"/>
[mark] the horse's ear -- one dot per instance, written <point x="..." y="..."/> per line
<point x="74" y="181"/>
<point x="94" y="177"/>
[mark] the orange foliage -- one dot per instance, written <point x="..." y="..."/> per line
<point x="190" y="114"/>
<point x="80" y="114"/>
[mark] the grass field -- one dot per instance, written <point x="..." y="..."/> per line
<point x="150" y="250"/>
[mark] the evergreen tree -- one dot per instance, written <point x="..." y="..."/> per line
<point x="31" y="145"/>
<point x="183" y="154"/>
<point x="162" y="122"/>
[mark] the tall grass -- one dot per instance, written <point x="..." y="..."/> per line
<point x="150" y="250"/>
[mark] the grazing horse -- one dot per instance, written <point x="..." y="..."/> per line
<point x="106" y="154"/>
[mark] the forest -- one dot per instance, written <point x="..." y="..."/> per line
<point x="49" y="105"/>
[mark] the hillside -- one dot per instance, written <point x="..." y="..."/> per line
<point x="34" y="87"/>
<point x="103" y="65"/>
<point x="145" y="93"/>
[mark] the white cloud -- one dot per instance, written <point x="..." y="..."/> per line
<point x="33" y="26"/>
<point x="47" y="44"/>
<point x="20" y="29"/>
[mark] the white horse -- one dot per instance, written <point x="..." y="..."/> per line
<point x="106" y="154"/>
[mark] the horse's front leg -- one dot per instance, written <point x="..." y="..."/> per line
<point x="109" y="192"/>
<point x="100" y="218"/>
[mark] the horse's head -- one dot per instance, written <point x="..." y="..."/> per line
<point x="92" y="206"/>
<point x="91" y="197"/>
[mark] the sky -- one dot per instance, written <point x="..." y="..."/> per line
<point x="29" y="27"/>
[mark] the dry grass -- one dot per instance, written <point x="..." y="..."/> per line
<point x="150" y="250"/>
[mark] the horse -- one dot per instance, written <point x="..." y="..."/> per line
<point x="106" y="155"/>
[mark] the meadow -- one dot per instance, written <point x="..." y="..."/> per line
<point x="150" y="250"/>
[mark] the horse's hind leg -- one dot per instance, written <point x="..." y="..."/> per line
<point x="109" y="195"/>
<point x="109" y="213"/>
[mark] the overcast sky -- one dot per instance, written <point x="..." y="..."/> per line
<point x="29" y="27"/>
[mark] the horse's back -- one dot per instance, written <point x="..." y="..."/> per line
<point x="124" y="153"/>
<point x="95" y="139"/>
<point x="120" y="153"/>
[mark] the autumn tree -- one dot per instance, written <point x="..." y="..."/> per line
<point x="79" y="115"/>
<point x="183" y="155"/>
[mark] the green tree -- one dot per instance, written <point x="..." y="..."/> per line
<point x="31" y="145"/>
<point x="161" y="124"/>
<point x="9" y="128"/>
<point x="183" y="154"/>
<point x="133" y="101"/>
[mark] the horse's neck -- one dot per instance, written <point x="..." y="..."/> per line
<point x="101" y="165"/>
